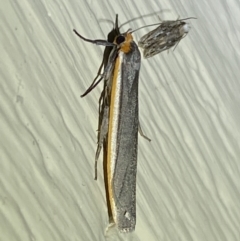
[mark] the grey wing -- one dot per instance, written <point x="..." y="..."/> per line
<point x="162" y="31"/>
<point x="162" y="38"/>
<point x="124" y="180"/>
<point x="149" y="38"/>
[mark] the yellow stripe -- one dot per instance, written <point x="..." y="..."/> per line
<point x="110" y="129"/>
<point x="125" y="48"/>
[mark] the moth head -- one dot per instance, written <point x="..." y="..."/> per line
<point x="123" y="41"/>
<point x="185" y="28"/>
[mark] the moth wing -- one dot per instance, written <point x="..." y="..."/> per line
<point x="124" y="179"/>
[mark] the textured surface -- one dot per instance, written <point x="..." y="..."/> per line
<point x="188" y="183"/>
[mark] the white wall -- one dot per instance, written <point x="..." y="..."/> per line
<point x="188" y="185"/>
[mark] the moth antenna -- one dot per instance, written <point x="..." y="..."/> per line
<point x="141" y="17"/>
<point x="150" y="25"/>
<point x="186" y="18"/>
<point x="154" y="24"/>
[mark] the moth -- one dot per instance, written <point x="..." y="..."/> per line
<point x="119" y="124"/>
<point x="164" y="37"/>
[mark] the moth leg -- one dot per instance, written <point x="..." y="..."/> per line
<point x="160" y="19"/>
<point x="94" y="41"/>
<point x="102" y="135"/>
<point x="106" y="74"/>
<point x="141" y="132"/>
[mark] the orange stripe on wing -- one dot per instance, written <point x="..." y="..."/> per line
<point x="110" y="129"/>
